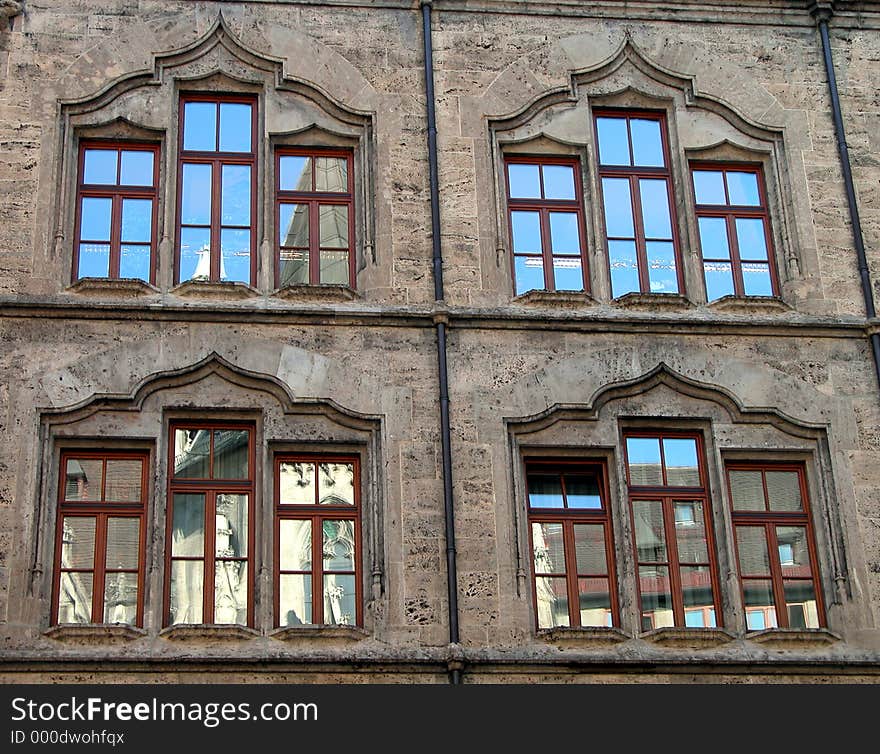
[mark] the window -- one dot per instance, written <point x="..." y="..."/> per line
<point x="672" y="525"/>
<point x="315" y="217"/>
<point x="317" y="541"/>
<point x="734" y="230"/>
<point x="99" y="544"/>
<point x="544" y="200"/>
<point x="210" y="533"/>
<point x="216" y="189"/>
<point x="775" y="547"/>
<point x="116" y="211"/>
<point x="572" y="548"/>
<point x="637" y="202"/>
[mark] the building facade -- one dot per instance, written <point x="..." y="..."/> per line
<point x="486" y="342"/>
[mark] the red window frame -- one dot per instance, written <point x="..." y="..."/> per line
<point x="314" y="200"/>
<point x="730" y="213"/>
<point x="316" y="513"/>
<point x="100" y="510"/>
<point x="217" y="160"/>
<point x="210" y="487"/>
<point x="768" y="521"/>
<point x="633" y="174"/>
<point x="544" y="207"/>
<point x="116" y="193"/>
<point x="669" y="495"/>
<point x="569" y="518"/>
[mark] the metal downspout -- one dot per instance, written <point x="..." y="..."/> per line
<point x="440" y="320"/>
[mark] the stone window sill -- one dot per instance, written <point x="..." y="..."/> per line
<point x="560" y="299"/>
<point x="749" y="304"/>
<point x="94" y="633"/>
<point x="582" y="637"/>
<point x="793" y="638"/>
<point x="653" y="301"/>
<point x="319" y="633"/>
<point x="322" y="292"/>
<point x="122" y="287"/>
<point x="224" y="632"/>
<point x="215" y="290"/>
<point x="688" y="638"/>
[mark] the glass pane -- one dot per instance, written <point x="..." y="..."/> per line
<point x="331" y="174"/>
<point x="123" y="543"/>
<point x="235" y="127"/>
<point x="525" y="181"/>
<point x="568" y="274"/>
<point x="709" y="187"/>
<point x="78" y="542"/>
<point x="558" y="182"/>
<point x="529" y="272"/>
<point x="196" y="200"/>
<point x="136" y="168"/>
<point x="94" y="260"/>
<point x="647" y="144"/>
<point x="699" y="617"/>
<point x="784" y="490"/>
<point x="295" y="173"/>
<point x="713" y="238"/>
<point x="565" y="237"/>
<point x="137" y="220"/>
<point x="231" y="526"/>
<point x="719" y="280"/>
<point x="545" y="491"/>
<point x="95" y="220"/>
<point x="297" y="483"/>
<point x="295" y="545"/>
<point x="690" y="532"/>
<point x="624" y="267"/>
<point x="751" y="544"/>
<point x="650" y="534"/>
<point x="295" y="600"/>
<point x="339" y="600"/>
<point x="195" y="254"/>
<point x="800" y="603"/>
<point x="643" y="457"/>
<point x="334" y="267"/>
<point x="187" y="584"/>
<point x="231" y="453"/>
<point x="230" y="592"/>
<point x="661" y="267"/>
<point x="680" y="455"/>
<point x="83" y="478"/>
<point x="191" y="449"/>
<point x="655" y="208"/>
<point x="134" y="262"/>
<point x="235" y="199"/>
<point x="594" y="598"/>
<point x="618" y="208"/>
<point x="656" y="597"/>
<point x="235" y="255"/>
<point x="589" y="546"/>
<point x="200" y="126"/>
<point x="794" y="554"/>
<point x="551" y="598"/>
<point x="293" y="225"/>
<point x="294" y="267"/>
<point x="747" y="490"/>
<point x="756" y="280"/>
<point x="696" y="586"/>
<point x="120" y="598"/>
<point x="100" y="167"/>
<point x="613" y="141"/>
<point x="333" y="222"/>
<point x="760" y="608"/>
<point x="582" y="491"/>
<point x="338" y="546"/>
<point x="548" y="548"/>
<point x="743" y="189"/>
<point x="526" y="231"/>
<point x="750" y="236"/>
<point x="123" y="480"/>
<point x="75" y="598"/>
<point x="336" y="483"/>
<point x="188" y="525"/>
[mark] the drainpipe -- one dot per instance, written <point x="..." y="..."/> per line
<point x="822" y="13"/>
<point x="455" y="666"/>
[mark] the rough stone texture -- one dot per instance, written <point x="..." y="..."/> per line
<point x="359" y="371"/>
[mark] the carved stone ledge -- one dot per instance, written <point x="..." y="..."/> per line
<point x="321" y="292"/>
<point x="556" y="299"/>
<point x="653" y="301"/>
<point x="793" y="638"/>
<point x="319" y="633"/>
<point x="212" y="631"/>
<point x="213" y="289"/>
<point x="96" y="633"/>
<point x="749" y="304"/>
<point x="124" y="287"/>
<point x="582" y="637"/>
<point x="688" y="638"/>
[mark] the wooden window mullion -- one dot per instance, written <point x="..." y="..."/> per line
<point x="639" y="231"/>
<point x="571" y="576"/>
<point x="546" y="246"/>
<point x="317" y="566"/>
